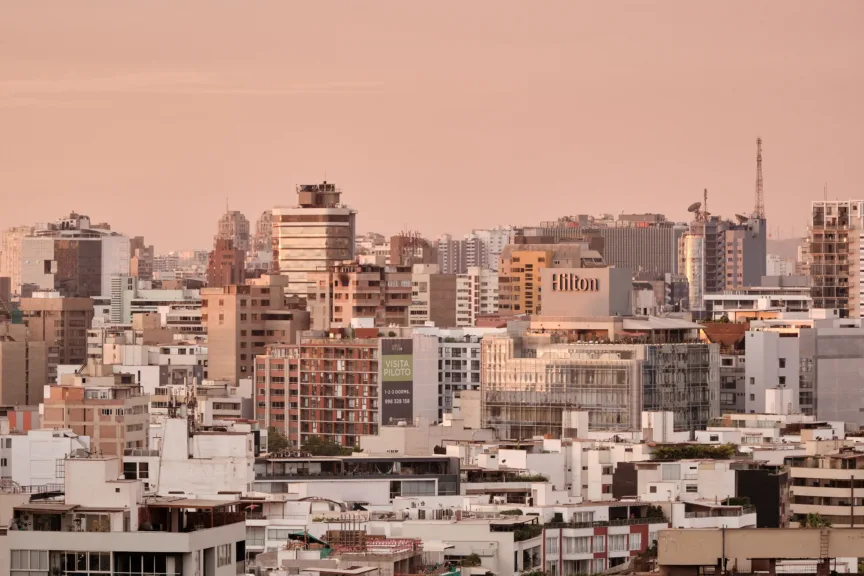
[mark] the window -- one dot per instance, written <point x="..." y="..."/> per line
<point x="782" y="380"/>
<point x="635" y="541"/>
<point x="652" y="489"/>
<point x="599" y="565"/>
<point x="782" y="362"/>
<point x="752" y="381"/>
<point x="752" y="397"/>
<point x="714" y="438"/>
<point x="599" y="543"/>
<point x="60" y="468"/>
<point x="691" y="489"/>
<point x="617" y="542"/>
<point x="29" y="560"/>
<point x="4" y="462"/>
<point x="223" y="555"/>
<point x="552" y="546"/>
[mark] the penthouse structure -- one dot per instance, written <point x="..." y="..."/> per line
<point x="312" y="235"/>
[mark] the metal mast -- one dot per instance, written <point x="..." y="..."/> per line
<point x="760" y="195"/>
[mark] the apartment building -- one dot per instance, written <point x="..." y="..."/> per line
<point x="343" y="388"/>
<point x="141" y="259"/>
<point x="314" y="234"/>
<point x="834" y="249"/>
<point x="227" y="264"/>
<point x="451" y="254"/>
<point x="828" y="481"/>
<point x="359" y="294"/>
<point x="433" y="297"/>
<point x="73" y="257"/>
<point x="476" y="295"/>
<point x="62" y="324"/>
<point x="23" y="366"/>
<point x="109" y="408"/>
<point x="241" y="321"/>
<point x="519" y="272"/>
<point x="101" y="524"/>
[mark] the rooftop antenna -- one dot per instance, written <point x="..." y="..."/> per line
<point x="760" y="194"/>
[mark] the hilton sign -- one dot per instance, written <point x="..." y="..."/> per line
<point x="570" y="282"/>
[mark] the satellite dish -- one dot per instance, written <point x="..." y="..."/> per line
<point x="741" y="218"/>
<point x="694" y="207"/>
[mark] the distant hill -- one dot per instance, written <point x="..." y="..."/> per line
<point x="786" y="248"/>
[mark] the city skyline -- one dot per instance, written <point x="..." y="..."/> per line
<point x="649" y="116"/>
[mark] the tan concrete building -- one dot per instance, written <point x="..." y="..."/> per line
<point x="691" y="552"/>
<point x="61" y="323"/>
<point x="109" y="408"/>
<point x="831" y="485"/>
<point x="312" y="235"/>
<point x="519" y="272"/>
<point x="433" y="297"/>
<point x="374" y="296"/>
<point x="10" y="254"/>
<point x="242" y="321"/>
<point x="23" y="367"/>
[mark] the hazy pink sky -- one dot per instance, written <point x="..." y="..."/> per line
<point x="440" y="116"/>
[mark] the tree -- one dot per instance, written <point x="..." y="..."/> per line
<point x="276" y="440"/>
<point x="318" y="446"/>
<point x="693" y="452"/>
<point x="471" y="560"/>
<point x="815" y="521"/>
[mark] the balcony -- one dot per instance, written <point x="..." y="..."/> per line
<point x="606" y="523"/>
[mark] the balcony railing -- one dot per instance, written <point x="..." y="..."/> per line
<point x="721" y="513"/>
<point x="605" y="523"/>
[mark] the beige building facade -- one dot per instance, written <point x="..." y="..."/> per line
<point x="23" y="367"/>
<point x="242" y="321"/>
<point x="62" y="324"/>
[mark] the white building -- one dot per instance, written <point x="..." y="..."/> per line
<point x="201" y="464"/>
<point x="779" y="266"/>
<point x="476" y="295"/>
<point x="36" y="458"/>
<point x="104" y="525"/>
<point x="772" y="360"/>
<point x="178" y="309"/>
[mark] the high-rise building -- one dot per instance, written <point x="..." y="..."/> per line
<point x="836" y="268"/>
<point x="451" y="254"/>
<point x="476" y="295"/>
<point x="62" y="324"/>
<point x="73" y="257"/>
<point x="227" y="264"/>
<point x="359" y="294"/>
<point x="141" y="261"/>
<point x="433" y="297"/>
<point x="10" y="254"/>
<point x="233" y="226"/>
<point x="262" y="241"/>
<point x="241" y="321"/>
<point x="519" y="272"/>
<point x="312" y="235"/>
<point x="23" y="366"/>
<point x="744" y="253"/>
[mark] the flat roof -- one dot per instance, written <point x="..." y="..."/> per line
<point x="191" y="503"/>
<point x="47" y="507"/>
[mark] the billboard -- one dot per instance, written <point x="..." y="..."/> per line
<point x="397" y="380"/>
